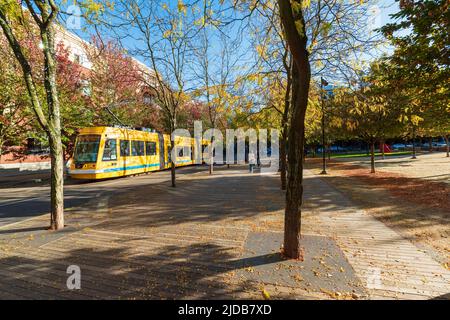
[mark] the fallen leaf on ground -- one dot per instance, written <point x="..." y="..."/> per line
<point x="265" y="294"/>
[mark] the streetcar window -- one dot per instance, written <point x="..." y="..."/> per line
<point x="150" y="148"/>
<point x="86" y="149"/>
<point x="124" y="148"/>
<point x="110" y="151"/>
<point x="187" y="151"/>
<point x="137" y="148"/>
<point x="180" y="152"/>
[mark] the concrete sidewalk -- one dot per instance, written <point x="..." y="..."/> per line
<point x="389" y="264"/>
<point x="215" y="237"/>
<point x="25" y="166"/>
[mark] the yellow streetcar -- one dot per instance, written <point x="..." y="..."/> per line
<point x="109" y="152"/>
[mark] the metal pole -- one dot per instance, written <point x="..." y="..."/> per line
<point x="324" y="160"/>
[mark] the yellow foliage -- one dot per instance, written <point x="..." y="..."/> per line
<point x="261" y="50"/>
<point x="265" y="294"/>
<point x="306" y="3"/>
<point x="181" y="7"/>
<point x="299" y="26"/>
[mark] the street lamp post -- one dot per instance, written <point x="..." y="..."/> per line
<point x="414" y="143"/>
<point x="323" y="83"/>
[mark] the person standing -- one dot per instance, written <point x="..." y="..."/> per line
<point x="251" y="161"/>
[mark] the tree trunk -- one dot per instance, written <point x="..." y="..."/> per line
<point x="173" y="149"/>
<point x="447" y="146"/>
<point x="372" y="157"/>
<point x="382" y="149"/>
<point x="288" y="65"/>
<point x="301" y="77"/>
<point x="211" y="156"/>
<point x="324" y="148"/>
<point x="172" y="163"/>
<point x="54" y="128"/>
<point x="57" y="182"/>
<point x="292" y="226"/>
<point x="283" y="161"/>
<point x="430" y="144"/>
<point x="52" y="123"/>
<point x="172" y="174"/>
<point x="284" y="130"/>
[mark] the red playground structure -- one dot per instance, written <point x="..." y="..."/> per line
<point x="385" y="148"/>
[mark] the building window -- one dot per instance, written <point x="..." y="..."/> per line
<point x="148" y="99"/>
<point x="76" y="58"/>
<point x="85" y="88"/>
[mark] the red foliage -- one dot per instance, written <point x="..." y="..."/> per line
<point x="116" y="77"/>
<point x="70" y="75"/>
<point x="194" y="110"/>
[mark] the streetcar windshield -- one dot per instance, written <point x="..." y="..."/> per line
<point x="86" y="149"/>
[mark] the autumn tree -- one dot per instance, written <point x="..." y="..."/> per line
<point x="294" y="28"/>
<point x="117" y="88"/>
<point x="338" y="40"/>
<point x="191" y="111"/>
<point x="76" y="109"/>
<point x="44" y="14"/>
<point x="19" y="121"/>
<point x="323" y="34"/>
<point x="421" y="60"/>
<point x="276" y="66"/>
<point x="313" y="117"/>
<point x="330" y="38"/>
<point x="369" y="113"/>
<point x="271" y="74"/>
<point x="215" y="71"/>
<point x="16" y="120"/>
<point x="161" y="34"/>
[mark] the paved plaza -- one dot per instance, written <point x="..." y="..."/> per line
<point x="214" y="236"/>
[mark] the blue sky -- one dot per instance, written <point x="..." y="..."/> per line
<point x="385" y="7"/>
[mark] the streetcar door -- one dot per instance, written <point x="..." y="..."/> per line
<point x="162" y="160"/>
